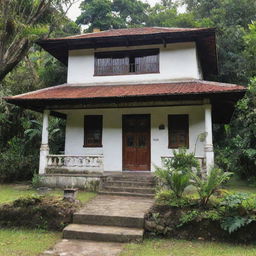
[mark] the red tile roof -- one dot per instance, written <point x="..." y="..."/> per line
<point x="132" y="31"/>
<point x="78" y="91"/>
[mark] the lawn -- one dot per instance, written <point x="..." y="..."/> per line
<point x="15" y="242"/>
<point x="10" y="193"/>
<point x="172" y="247"/>
<point x="22" y="242"/>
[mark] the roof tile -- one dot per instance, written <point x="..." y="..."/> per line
<point x="78" y="91"/>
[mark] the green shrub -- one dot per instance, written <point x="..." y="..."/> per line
<point x="37" y="180"/>
<point x="176" y="172"/>
<point x="182" y="161"/>
<point x="17" y="163"/>
<point x="208" y="185"/>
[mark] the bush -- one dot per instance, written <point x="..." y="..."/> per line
<point x="17" y="163"/>
<point x="44" y="212"/>
<point x="208" y="185"/>
<point x="176" y="172"/>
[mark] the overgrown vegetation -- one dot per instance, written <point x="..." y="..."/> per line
<point x="191" y="199"/>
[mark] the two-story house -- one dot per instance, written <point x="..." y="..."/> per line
<point x="131" y="97"/>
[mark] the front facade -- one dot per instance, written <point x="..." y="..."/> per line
<point x="132" y="96"/>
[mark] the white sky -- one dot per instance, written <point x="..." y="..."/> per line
<point x="74" y="11"/>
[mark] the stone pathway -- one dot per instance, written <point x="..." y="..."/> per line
<point x="84" y="248"/>
<point x="102" y="224"/>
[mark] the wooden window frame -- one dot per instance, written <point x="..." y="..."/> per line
<point x="86" y="129"/>
<point x="185" y="130"/>
<point x="127" y="54"/>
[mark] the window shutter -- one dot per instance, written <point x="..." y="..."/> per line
<point x="178" y="126"/>
<point x="93" y="131"/>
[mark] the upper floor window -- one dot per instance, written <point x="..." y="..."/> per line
<point x="127" y="62"/>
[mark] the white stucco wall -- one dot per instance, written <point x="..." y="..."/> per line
<point x="177" y="61"/>
<point x="112" y="132"/>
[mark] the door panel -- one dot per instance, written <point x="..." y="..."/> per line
<point x="136" y="142"/>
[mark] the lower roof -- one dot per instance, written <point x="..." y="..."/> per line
<point x="220" y="94"/>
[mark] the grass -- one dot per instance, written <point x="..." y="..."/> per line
<point x="22" y="242"/>
<point x="172" y="247"/>
<point x="12" y="192"/>
<point x="237" y="185"/>
<point x="15" y="242"/>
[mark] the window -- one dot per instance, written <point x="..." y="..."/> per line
<point x="93" y="131"/>
<point x="127" y="62"/>
<point x="178" y="131"/>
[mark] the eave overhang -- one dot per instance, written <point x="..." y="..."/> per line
<point x="204" y="38"/>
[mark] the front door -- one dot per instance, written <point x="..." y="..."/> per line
<point x="136" y="142"/>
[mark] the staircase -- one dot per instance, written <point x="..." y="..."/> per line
<point x="117" y="213"/>
<point x="128" y="185"/>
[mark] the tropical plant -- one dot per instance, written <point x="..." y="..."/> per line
<point x="208" y="185"/>
<point x="175" y="180"/>
<point x="182" y="161"/>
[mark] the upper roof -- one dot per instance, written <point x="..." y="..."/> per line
<point x="131" y="31"/>
<point x="204" y="38"/>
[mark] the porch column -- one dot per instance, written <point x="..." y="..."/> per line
<point x="44" y="150"/>
<point x="208" y="148"/>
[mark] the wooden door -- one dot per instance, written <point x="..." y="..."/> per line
<point x="136" y="142"/>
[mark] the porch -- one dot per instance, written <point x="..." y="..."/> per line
<point x="151" y="141"/>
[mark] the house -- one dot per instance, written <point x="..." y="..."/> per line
<point x="131" y="97"/>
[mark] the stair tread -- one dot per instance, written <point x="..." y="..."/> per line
<point x="136" y="188"/>
<point x="125" y="193"/>
<point x="84" y="228"/>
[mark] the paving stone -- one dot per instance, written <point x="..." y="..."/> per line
<point x="84" y="248"/>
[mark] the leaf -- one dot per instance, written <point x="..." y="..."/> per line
<point x="232" y="224"/>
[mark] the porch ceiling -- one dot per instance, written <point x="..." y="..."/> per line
<point x="71" y="96"/>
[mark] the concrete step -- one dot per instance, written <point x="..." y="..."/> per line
<point x="104" y="192"/>
<point x="104" y="220"/>
<point x="129" y="189"/>
<point x="103" y="233"/>
<point x="124" y="183"/>
<point x="147" y="178"/>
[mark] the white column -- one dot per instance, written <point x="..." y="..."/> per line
<point x="208" y="148"/>
<point x="44" y="150"/>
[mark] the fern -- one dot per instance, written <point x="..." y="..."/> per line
<point x="232" y="224"/>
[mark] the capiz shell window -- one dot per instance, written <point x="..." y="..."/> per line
<point x="127" y="62"/>
<point x="93" y="131"/>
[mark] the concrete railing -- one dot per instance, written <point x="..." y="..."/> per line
<point x="76" y="162"/>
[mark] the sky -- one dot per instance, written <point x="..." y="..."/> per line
<point x="74" y="11"/>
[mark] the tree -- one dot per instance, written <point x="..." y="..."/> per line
<point x="231" y="19"/>
<point x="24" y="22"/>
<point x="107" y="14"/>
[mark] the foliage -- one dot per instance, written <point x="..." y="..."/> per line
<point x="107" y="14"/>
<point x="188" y="217"/>
<point x="24" y="22"/>
<point x="36" y="180"/>
<point x="17" y="161"/>
<point x="231" y="18"/>
<point x="208" y="185"/>
<point x="167" y="197"/>
<point x="182" y="161"/>
<point x="232" y="224"/>
<point x="238" y="149"/>
<point x="176" y="172"/>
